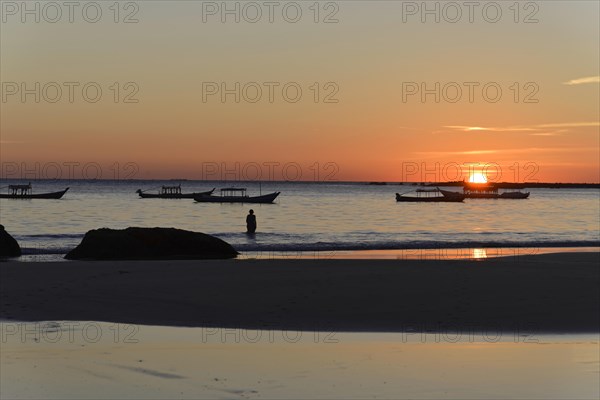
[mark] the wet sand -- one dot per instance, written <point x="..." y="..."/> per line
<point x="544" y="293"/>
<point x="89" y="360"/>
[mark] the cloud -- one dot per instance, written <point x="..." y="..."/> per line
<point x="508" y="151"/>
<point x="489" y="129"/>
<point x="581" y="81"/>
<point x="569" y="125"/>
<point x="551" y="129"/>
<point x="551" y="133"/>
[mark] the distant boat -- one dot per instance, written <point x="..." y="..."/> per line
<point x="425" y="196"/>
<point x="172" y="192"/>
<point x="514" y="195"/>
<point x="25" y="192"/>
<point x="485" y="191"/>
<point x="237" y="195"/>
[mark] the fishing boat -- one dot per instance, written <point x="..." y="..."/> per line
<point x="171" y="192"/>
<point x="486" y="191"/>
<point x="237" y="195"/>
<point x="448" y="193"/>
<point x="429" y="196"/>
<point x="26" y="192"/>
<point x="514" y="195"/>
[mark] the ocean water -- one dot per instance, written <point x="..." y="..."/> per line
<point x="307" y="217"/>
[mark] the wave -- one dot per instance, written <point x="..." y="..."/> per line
<point x="51" y="236"/>
<point x="32" y="251"/>
<point x="348" y="246"/>
<point x="399" y="245"/>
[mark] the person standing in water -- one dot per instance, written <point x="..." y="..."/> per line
<point x="251" y="222"/>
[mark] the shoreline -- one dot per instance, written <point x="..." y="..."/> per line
<point x="551" y="293"/>
<point x="45" y="329"/>
<point x="448" y="253"/>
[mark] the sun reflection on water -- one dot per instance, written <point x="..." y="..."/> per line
<point x="480" y="254"/>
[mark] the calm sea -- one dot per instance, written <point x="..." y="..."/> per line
<point x="307" y="217"/>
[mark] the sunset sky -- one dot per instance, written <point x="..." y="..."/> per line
<point x="372" y="57"/>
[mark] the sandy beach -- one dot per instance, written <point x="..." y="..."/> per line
<point x="551" y="293"/>
<point x="91" y="360"/>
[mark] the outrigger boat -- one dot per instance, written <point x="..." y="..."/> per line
<point x="237" y="195"/>
<point x="26" y="192"/>
<point x="172" y="192"/>
<point x="424" y="196"/>
<point x="485" y="191"/>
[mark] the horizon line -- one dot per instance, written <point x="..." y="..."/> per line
<point x="374" y="183"/>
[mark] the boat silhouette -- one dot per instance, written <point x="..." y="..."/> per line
<point x="26" y="192"/>
<point x="425" y="196"/>
<point x="237" y="195"/>
<point x="485" y="191"/>
<point x="171" y="192"/>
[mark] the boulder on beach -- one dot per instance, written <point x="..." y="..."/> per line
<point x="8" y="245"/>
<point x="150" y="244"/>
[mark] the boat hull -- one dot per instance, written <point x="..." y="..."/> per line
<point x="174" y="195"/>
<point x="482" y="196"/>
<point x="514" y="195"/>
<point x="506" y="195"/>
<point x="438" y="199"/>
<point x="450" y="195"/>
<point x="52" y="195"/>
<point x="264" y="199"/>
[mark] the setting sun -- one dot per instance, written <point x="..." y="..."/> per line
<point x="478" y="177"/>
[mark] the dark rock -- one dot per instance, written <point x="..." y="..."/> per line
<point x="150" y="244"/>
<point x="8" y="245"/>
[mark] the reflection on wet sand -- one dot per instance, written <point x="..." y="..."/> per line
<point x="103" y="360"/>
<point x="479" y="253"/>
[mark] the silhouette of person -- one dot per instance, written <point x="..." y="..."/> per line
<point x="251" y="222"/>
